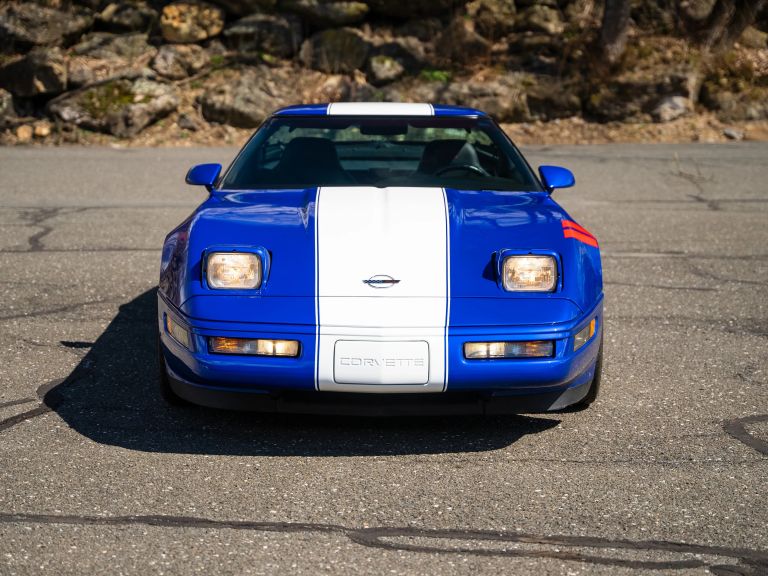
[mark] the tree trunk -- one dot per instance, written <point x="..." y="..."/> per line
<point x="745" y="16"/>
<point x="727" y="22"/>
<point x="613" y="33"/>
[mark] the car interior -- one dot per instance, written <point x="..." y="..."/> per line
<point x="377" y="157"/>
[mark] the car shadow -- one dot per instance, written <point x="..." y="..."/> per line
<point x="112" y="398"/>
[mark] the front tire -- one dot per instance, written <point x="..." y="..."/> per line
<point x="164" y="382"/>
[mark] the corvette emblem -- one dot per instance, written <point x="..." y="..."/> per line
<point x="381" y="281"/>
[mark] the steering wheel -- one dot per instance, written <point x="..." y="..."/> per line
<point x="465" y="167"/>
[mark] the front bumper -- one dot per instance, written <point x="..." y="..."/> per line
<point x="288" y="384"/>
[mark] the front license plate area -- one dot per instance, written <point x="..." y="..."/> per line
<point x="373" y="362"/>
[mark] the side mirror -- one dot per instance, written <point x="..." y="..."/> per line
<point x="556" y="177"/>
<point x="203" y="175"/>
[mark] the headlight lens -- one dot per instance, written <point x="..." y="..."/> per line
<point x="228" y="270"/>
<point x="529" y="273"/>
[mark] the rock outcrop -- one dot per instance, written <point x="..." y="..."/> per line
<point x="119" y="107"/>
<point x="119" y="66"/>
<point x="325" y="14"/>
<point x="265" y="34"/>
<point x="244" y="103"/>
<point x="40" y="72"/>
<point x="26" y="25"/>
<point x="338" y="50"/>
<point x="177" y="61"/>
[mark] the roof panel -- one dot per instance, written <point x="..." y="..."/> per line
<point x="377" y="109"/>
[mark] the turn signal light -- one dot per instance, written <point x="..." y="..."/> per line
<point x="496" y="350"/>
<point x="178" y="332"/>
<point x="583" y="335"/>
<point x="254" y="347"/>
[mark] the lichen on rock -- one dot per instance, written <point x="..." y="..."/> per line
<point x="121" y="107"/>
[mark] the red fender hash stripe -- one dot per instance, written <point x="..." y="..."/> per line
<point x="573" y="230"/>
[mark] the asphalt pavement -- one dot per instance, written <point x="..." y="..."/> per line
<point x="665" y="474"/>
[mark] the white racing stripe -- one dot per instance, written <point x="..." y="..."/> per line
<point x="398" y="233"/>
<point x="380" y="109"/>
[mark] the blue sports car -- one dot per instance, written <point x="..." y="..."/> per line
<point x="379" y="258"/>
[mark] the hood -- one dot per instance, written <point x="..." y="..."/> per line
<point x="281" y="221"/>
<point x="371" y="242"/>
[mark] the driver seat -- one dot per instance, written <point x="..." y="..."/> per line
<point x="440" y="154"/>
<point x="314" y="158"/>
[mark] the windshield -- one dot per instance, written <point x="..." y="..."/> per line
<point x="448" y="152"/>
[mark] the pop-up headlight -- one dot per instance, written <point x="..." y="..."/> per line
<point x="233" y="270"/>
<point x="529" y="273"/>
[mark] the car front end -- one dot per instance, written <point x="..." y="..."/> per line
<point x="373" y="289"/>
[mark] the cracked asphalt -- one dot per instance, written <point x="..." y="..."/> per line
<point x="665" y="474"/>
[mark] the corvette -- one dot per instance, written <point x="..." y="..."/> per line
<point x="380" y="258"/>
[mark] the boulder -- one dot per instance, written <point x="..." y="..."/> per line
<point x="264" y="33"/>
<point x="27" y="24"/>
<point x="634" y="97"/>
<point x="243" y="103"/>
<point x="312" y="86"/>
<point x="338" y="50"/>
<point x="325" y="14"/>
<point x="413" y="8"/>
<point x="41" y="72"/>
<point x="178" y="61"/>
<point x="245" y="7"/>
<point x="535" y="52"/>
<point x="245" y="100"/>
<point x="460" y="43"/>
<point x="127" y="16"/>
<point x="24" y="133"/>
<point x="503" y="97"/>
<point x="83" y="70"/>
<point x="424" y="29"/>
<point x="120" y="107"/>
<point x="754" y="38"/>
<point x="188" y="22"/>
<point x="751" y="104"/>
<point x="534" y="44"/>
<point x="733" y="134"/>
<point x="671" y="108"/>
<point x="550" y="98"/>
<point x="541" y="18"/>
<point x="510" y="97"/>
<point x="493" y="19"/>
<point x="41" y="129"/>
<point x="105" y="45"/>
<point x="409" y="52"/>
<point x="7" y="112"/>
<point x="383" y="69"/>
<point x="189" y="122"/>
<point x="103" y="55"/>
